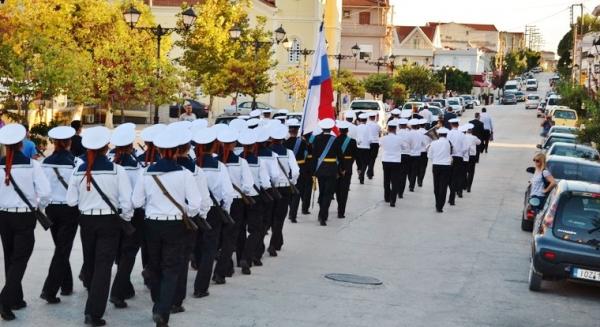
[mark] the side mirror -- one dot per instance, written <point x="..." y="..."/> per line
<point x="530" y="170"/>
<point x="534" y="202"/>
<point x="539" y="146"/>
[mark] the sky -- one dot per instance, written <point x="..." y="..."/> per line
<point x="552" y="17"/>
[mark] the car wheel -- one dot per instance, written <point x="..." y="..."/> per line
<point x="535" y="279"/>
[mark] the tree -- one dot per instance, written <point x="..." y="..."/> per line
<point x="292" y="82"/>
<point x="378" y="84"/>
<point x="347" y="83"/>
<point x="419" y="80"/>
<point x="532" y="58"/>
<point x="587" y="23"/>
<point x="514" y="64"/>
<point x="456" y="80"/>
<point x="399" y="93"/>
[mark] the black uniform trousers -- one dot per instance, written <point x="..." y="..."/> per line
<point x="341" y="191"/>
<point x="304" y="186"/>
<point x="441" y="181"/>
<point x="267" y="222"/>
<point x="207" y="245"/>
<point x="280" y="209"/>
<point x="166" y="244"/>
<point x="415" y="168"/>
<point x="470" y="172"/>
<point x="63" y="232"/>
<point x="188" y="251"/>
<point x="362" y="162"/>
<point x="229" y="238"/>
<point x="327" y="184"/>
<point x="373" y="152"/>
<point x="486" y="140"/>
<point x="100" y="243"/>
<point x="251" y="230"/>
<point x="391" y="181"/>
<point x="16" y="231"/>
<point x="122" y="287"/>
<point x="456" y="179"/>
<point x="422" y="168"/>
<point x="404" y="171"/>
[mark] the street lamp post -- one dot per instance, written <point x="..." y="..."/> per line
<point x="339" y="58"/>
<point x="132" y="16"/>
<point x="590" y="58"/>
<point x="392" y="60"/>
<point x="379" y="63"/>
<point x="355" y="52"/>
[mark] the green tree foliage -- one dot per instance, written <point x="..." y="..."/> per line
<point x="418" y="79"/>
<point x="378" y="84"/>
<point x="532" y="58"/>
<point x="572" y="96"/>
<point x="399" y="93"/>
<point x="347" y="83"/>
<point x="588" y="23"/>
<point x="456" y="80"/>
<point x="292" y="81"/>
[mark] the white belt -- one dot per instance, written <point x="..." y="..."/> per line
<point x="57" y="202"/>
<point x="286" y="184"/>
<point x="165" y="217"/>
<point x="97" y="212"/>
<point x="16" y="210"/>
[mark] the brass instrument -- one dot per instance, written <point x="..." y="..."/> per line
<point x="432" y="133"/>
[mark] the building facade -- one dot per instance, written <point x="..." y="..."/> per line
<point x="416" y="44"/>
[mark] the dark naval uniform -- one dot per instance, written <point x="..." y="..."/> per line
<point x="301" y="150"/>
<point x="327" y="172"/>
<point x="349" y="150"/>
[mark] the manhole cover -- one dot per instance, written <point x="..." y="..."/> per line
<point x="354" y="279"/>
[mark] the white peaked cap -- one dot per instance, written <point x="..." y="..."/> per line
<point x="470" y="126"/>
<point x="94" y="138"/>
<point x="394" y="123"/>
<point x="402" y="121"/>
<point x="422" y="121"/>
<point x="349" y="114"/>
<point x="123" y="136"/>
<point x="238" y="124"/>
<point x="279" y="132"/>
<point x="396" y="111"/>
<point x="61" y="133"/>
<point x="262" y="134"/>
<point x="255" y="113"/>
<point x="454" y="121"/>
<point x="363" y="116"/>
<point x="149" y="132"/>
<point x="413" y="122"/>
<point x="166" y="139"/>
<point x="204" y="136"/>
<point x="326" y="123"/>
<point x="228" y="135"/>
<point x="219" y="127"/>
<point x="317" y="130"/>
<point x="247" y="137"/>
<point x="293" y="122"/>
<point x="372" y="114"/>
<point x="267" y="111"/>
<point x="342" y="124"/>
<point x="12" y="134"/>
<point x="405" y="114"/>
<point x="462" y="128"/>
<point x="273" y="123"/>
<point x="253" y="122"/>
<point x="442" y="130"/>
<point x="199" y="123"/>
<point x="181" y="125"/>
<point x="244" y="117"/>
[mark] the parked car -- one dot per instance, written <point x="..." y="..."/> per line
<point x="412" y="105"/>
<point x="198" y="108"/>
<point x="532" y="101"/>
<point x="360" y="106"/>
<point x="563" y="116"/>
<point x="434" y="104"/>
<point x="225" y="119"/>
<point x="456" y="106"/>
<point x="435" y="111"/>
<point x="561" y="167"/>
<point x="508" y="98"/>
<point x="469" y="103"/>
<point x="553" y="100"/>
<point x="511" y="86"/>
<point x="520" y="96"/>
<point x="563" y="129"/>
<point x="567" y="236"/>
<point x="557" y="137"/>
<point x="244" y="108"/>
<point x="573" y="151"/>
<point x="443" y="102"/>
<point x="531" y="85"/>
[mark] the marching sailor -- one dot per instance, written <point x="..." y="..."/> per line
<point x="375" y="133"/>
<point x="403" y="133"/>
<point x="392" y="146"/>
<point x="473" y="143"/>
<point x="23" y="187"/>
<point x="440" y="154"/>
<point x="299" y="147"/>
<point x="456" y="138"/>
<point x="363" y="140"/>
<point x="348" y="151"/>
<point x="423" y="159"/>
<point x="59" y="168"/>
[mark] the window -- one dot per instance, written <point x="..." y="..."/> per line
<point x="366" y="52"/>
<point x="364" y="18"/>
<point x="294" y="54"/>
<point x="346" y="13"/>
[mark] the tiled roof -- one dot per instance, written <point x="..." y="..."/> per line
<point x="270" y="2"/>
<point x="404" y="31"/>
<point x="366" y="3"/>
<point x="479" y="27"/>
<point x="429" y="31"/>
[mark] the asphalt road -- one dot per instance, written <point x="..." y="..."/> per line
<point x="465" y="267"/>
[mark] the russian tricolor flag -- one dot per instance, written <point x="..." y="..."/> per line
<point x="319" y="98"/>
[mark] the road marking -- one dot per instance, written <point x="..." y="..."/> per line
<point x="513" y="145"/>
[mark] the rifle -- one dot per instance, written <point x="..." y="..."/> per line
<point x="275" y="193"/>
<point x="293" y="189"/>
<point x="247" y="200"/>
<point x="187" y="221"/>
<point x="141" y="146"/>
<point x="225" y="216"/>
<point x="265" y="196"/>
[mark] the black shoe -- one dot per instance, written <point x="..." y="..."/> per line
<point x="400" y="196"/>
<point x="305" y="212"/>
<point x="386" y="200"/>
<point x="175" y="309"/>
<point x="230" y="272"/>
<point x="19" y="305"/>
<point x="451" y="203"/>
<point x="392" y="205"/>
<point x="468" y="190"/>
<point x="272" y="252"/>
<point x="219" y="280"/>
<point x="420" y="184"/>
<point x="362" y="181"/>
<point x="246" y="270"/>
<point x="66" y="292"/>
<point x="200" y="295"/>
<point x="459" y="195"/>
<point x="257" y="262"/>
<point x="49" y="299"/>
<point x="341" y="216"/>
<point x="6" y="313"/>
<point x="159" y="320"/>
<point x="439" y="210"/>
<point x="293" y="220"/>
<point x="322" y="222"/>
<point x="411" y="189"/>
<point x="118" y="303"/>
<point x="89" y="320"/>
<point x="370" y="177"/>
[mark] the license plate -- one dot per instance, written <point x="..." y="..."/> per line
<point x="586" y="274"/>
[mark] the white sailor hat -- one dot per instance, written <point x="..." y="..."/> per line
<point x="393" y="123"/>
<point x="396" y="111"/>
<point x="462" y="128"/>
<point x="405" y="114"/>
<point x="292" y="122"/>
<point x="363" y="116"/>
<point x="342" y="124"/>
<point x="255" y="113"/>
<point x="271" y="123"/>
<point x="218" y="128"/>
<point x="442" y="130"/>
<point x="199" y="123"/>
<point x="470" y="126"/>
<point x="413" y="122"/>
<point x="149" y="132"/>
<point x="278" y="132"/>
<point x="247" y="137"/>
<point x="372" y="114"/>
<point x="402" y="121"/>
<point x="244" y="117"/>
<point x="238" y="124"/>
<point x="253" y="122"/>
<point x="228" y="135"/>
<point x="94" y="138"/>
<point x="281" y="118"/>
<point x="283" y="111"/>
<point x="61" y="133"/>
<point x="262" y="134"/>
<point x="326" y="123"/>
<point x="122" y="136"/>
<point x="422" y="121"/>
<point x="454" y="121"/>
<point x="166" y="139"/>
<point x="181" y="125"/>
<point x="349" y="114"/>
<point x="267" y="111"/>
<point x="317" y="130"/>
<point x="185" y="136"/>
<point x="126" y="125"/>
<point x="204" y="136"/>
<point x="12" y="134"/>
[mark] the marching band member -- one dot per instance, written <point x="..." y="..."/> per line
<point x="473" y="143"/>
<point x="349" y="152"/>
<point x="392" y="146"/>
<point x="456" y="138"/>
<point x="440" y="154"/>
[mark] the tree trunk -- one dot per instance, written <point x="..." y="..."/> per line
<point x="211" y="100"/>
<point x="78" y="114"/>
<point x="108" y="122"/>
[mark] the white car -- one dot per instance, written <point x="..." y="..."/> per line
<point x="531" y="84"/>
<point x="532" y="101"/>
<point x="244" y="108"/>
<point x="456" y="105"/>
<point x="366" y="106"/>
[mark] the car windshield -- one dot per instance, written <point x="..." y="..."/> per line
<point x="575" y="171"/>
<point x="467" y="97"/>
<point x="364" y="105"/>
<point x="577" y="217"/>
<point x="564" y="114"/>
<point x="552" y="139"/>
<point x="531" y="82"/>
<point x="559" y="129"/>
<point x="574" y="152"/>
<point x="509" y="95"/>
<point x="453" y="102"/>
<point x="553" y="102"/>
<point x="533" y="97"/>
<point x="510" y="87"/>
<point x="440" y="101"/>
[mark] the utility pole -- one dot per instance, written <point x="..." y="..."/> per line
<point x="574" y="24"/>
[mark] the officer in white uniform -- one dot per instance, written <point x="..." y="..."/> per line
<point x="17" y="222"/>
<point x="99" y="223"/>
<point x="375" y="133"/>
<point x="167" y="191"/>
<point x="439" y="152"/>
<point x="473" y="143"/>
<point x="219" y="185"/>
<point x="58" y="168"/>
<point x="457" y="139"/>
<point x="392" y="147"/>
<point x="426" y="141"/>
<point x="403" y="133"/>
<point x="124" y="156"/>
<point x="417" y="145"/>
<point x="363" y="143"/>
